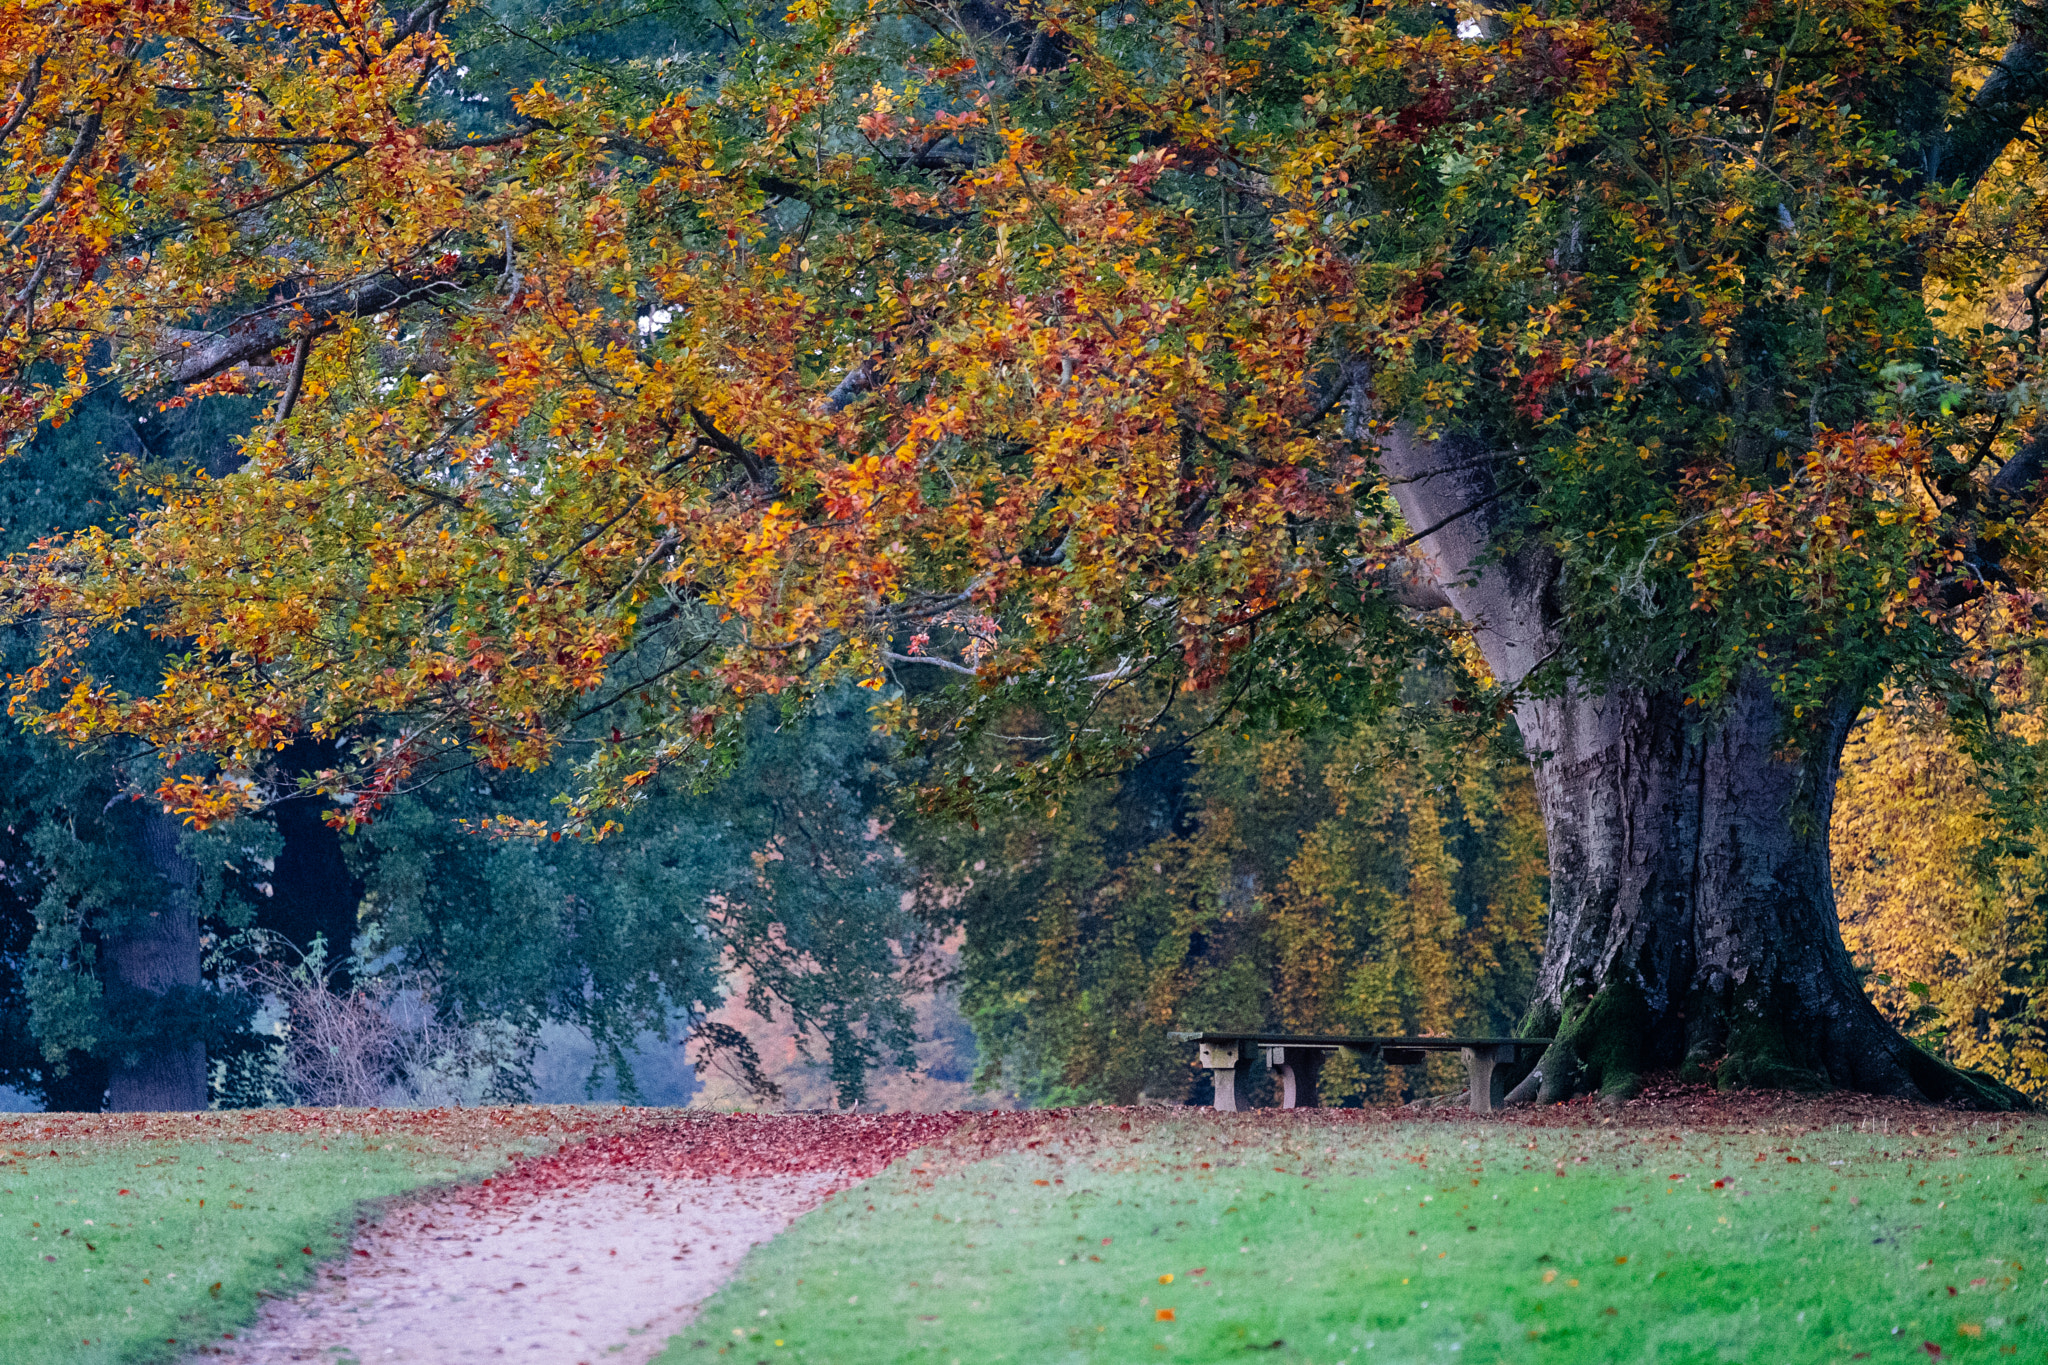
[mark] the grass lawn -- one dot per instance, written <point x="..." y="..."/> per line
<point x="1347" y="1238"/>
<point x="139" y="1237"/>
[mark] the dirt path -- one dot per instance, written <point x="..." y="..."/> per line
<point x="597" y="1253"/>
<point x="604" y="1273"/>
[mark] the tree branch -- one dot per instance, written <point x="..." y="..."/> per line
<point x="934" y="660"/>
<point x="31" y="85"/>
<point x="329" y="169"/>
<point x="2011" y="95"/>
<point x="2020" y="476"/>
<point x="1464" y="511"/>
<point x="858" y="381"/>
<point x="258" y="334"/>
<point x="718" y="440"/>
<point x="88" y="137"/>
<point x="1406" y="584"/>
<point x="417" y="20"/>
<point x="290" y="398"/>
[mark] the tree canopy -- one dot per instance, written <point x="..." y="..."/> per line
<point x="1005" y="346"/>
<point x="1098" y="358"/>
<point x="1024" y="347"/>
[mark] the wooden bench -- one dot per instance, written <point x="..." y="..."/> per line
<point x="1297" y="1059"/>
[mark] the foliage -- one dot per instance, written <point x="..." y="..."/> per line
<point x="1942" y="896"/>
<point x="468" y="519"/>
<point x="1388" y="878"/>
<point x="889" y="342"/>
<point x="94" y="890"/>
<point x="536" y="930"/>
<point x="785" y="876"/>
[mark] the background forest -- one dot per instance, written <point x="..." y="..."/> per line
<point x="1383" y="874"/>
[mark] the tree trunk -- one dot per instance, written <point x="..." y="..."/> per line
<point x="1692" y="921"/>
<point x="158" y="952"/>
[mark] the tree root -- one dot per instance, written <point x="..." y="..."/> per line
<point x="1606" y="1043"/>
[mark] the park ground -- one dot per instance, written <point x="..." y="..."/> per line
<point x="1684" y="1226"/>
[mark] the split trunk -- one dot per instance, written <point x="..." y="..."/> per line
<point x="1692" y="923"/>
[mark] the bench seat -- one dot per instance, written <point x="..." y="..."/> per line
<point x="1297" y="1059"/>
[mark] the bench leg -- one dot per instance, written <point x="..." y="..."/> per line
<point x="1487" y="1083"/>
<point x="1226" y="1062"/>
<point x="1228" y="1100"/>
<point x="1299" y="1069"/>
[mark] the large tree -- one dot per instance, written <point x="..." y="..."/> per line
<point x="1662" y="362"/>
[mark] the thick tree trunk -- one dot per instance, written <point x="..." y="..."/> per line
<point x="158" y="952"/>
<point x="1692" y="922"/>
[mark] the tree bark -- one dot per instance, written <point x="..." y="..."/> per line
<point x="1692" y="921"/>
<point x="158" y="952"/>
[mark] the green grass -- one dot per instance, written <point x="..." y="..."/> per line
<point x="1308" y="1239"/>
<point x="116" y="1250"/>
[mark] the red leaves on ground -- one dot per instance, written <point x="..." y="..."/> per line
<point x="672" y="1144"/>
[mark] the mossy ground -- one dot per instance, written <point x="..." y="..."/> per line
<point x="1333" y="1238"/>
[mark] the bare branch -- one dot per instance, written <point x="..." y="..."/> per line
<point x="893" y="657"/>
